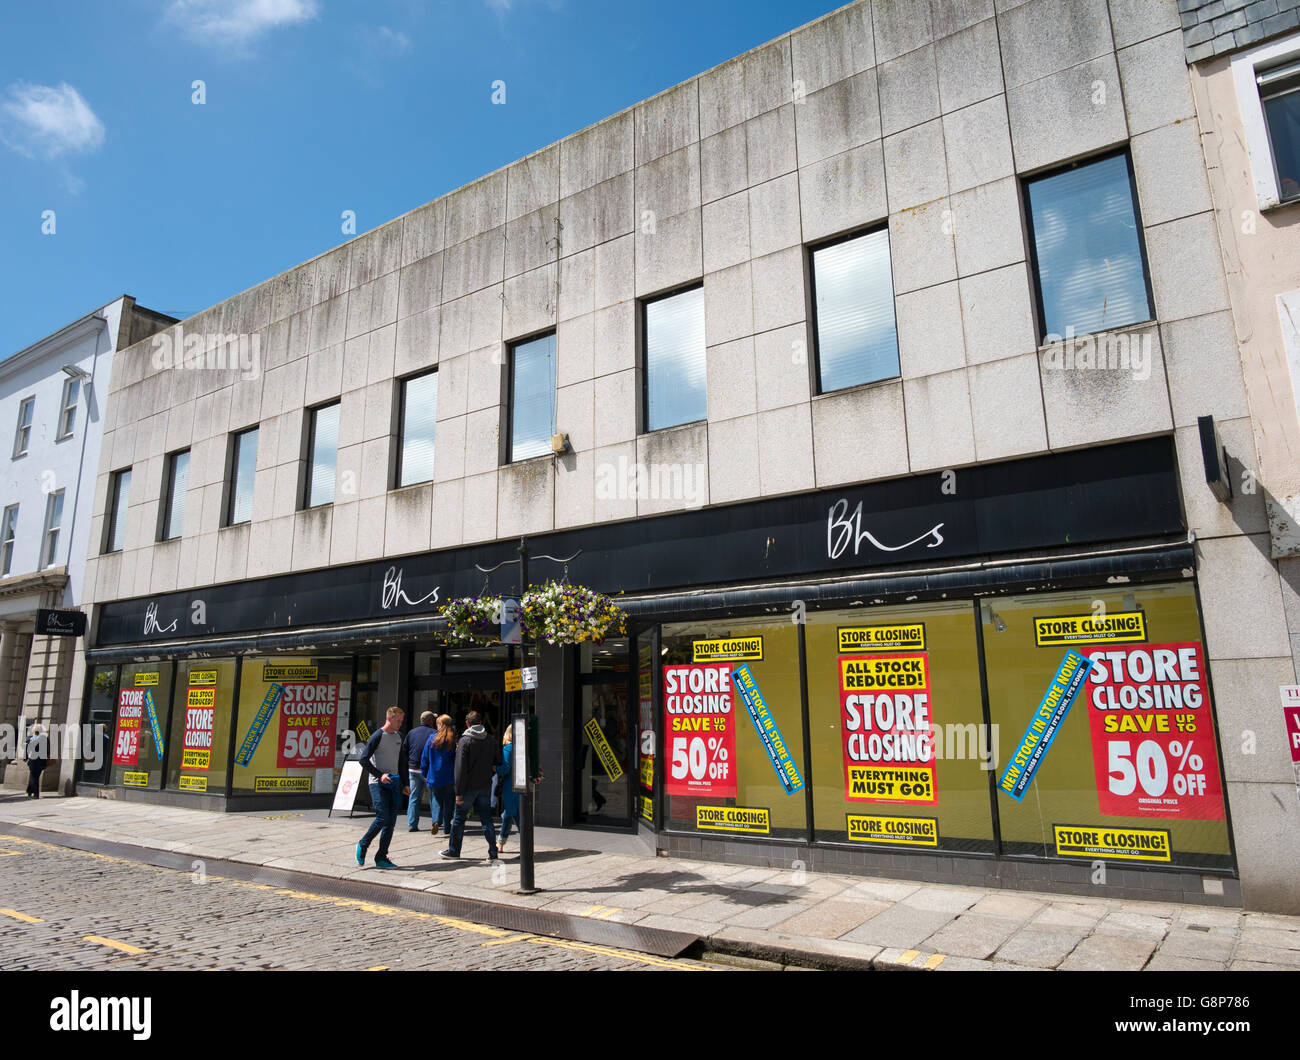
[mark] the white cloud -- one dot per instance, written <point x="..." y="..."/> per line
<point x="393" y="41"/>
<point x="39" y="120"/>
<point x="237" y="22"/>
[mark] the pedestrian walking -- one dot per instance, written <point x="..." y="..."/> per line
<point x="509" y="797"/>
<point x="412" y="749"/>
<point x="382" y="759"/>
<point x="36" y="751"/>
<point x="438" y="765"/>
<point x="477" y="758"/>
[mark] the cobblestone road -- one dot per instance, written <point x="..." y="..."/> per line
<point x="71" y="910"/>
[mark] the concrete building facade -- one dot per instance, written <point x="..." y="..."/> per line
<point x="1003" y="472"/>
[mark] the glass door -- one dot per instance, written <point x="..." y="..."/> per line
<point x="605" y="736"/>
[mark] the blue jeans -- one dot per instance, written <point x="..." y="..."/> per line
<point x="442" y="803"/>
<point x="505" y="827"/>
<point x="384" y="797"/>
<point x="481" y="801"/>
<point x="416" y="780"/>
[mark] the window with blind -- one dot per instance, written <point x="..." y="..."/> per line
<point x="1089" y="260"/>
<point x="532" y="397"/>
<point x="419" y="414"/>
<point x="323" y="453"/>
<point x="178" y="473"/>
<point x="675" y="367"/>
<point x="243" y="470"/>
<point x="853" y="297"/>
<point x="119" y="493"/>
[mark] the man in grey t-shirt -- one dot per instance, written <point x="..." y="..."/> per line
<point x="382" y="759"/>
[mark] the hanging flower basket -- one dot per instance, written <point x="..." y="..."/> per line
<point x="570" y="614"/>
<point x="474" y="619"/>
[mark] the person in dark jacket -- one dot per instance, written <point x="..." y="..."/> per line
<point x="412" y="749"/>
<point x="477" y="758"/>
<point x="438" y="766"/>
<point x="36" y="762"/>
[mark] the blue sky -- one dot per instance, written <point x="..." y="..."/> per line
<point x="312" y="107"/>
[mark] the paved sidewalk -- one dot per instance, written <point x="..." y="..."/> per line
<point x="819" y="919"/>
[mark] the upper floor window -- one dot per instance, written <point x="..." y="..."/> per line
<point x="323" y="452"/>
<point x="178" y="473"/>
<point x="676" y="389"/>
<point x="1089" y="259"/>
<point x="68" y="409"/>
<point x="23" y="435"/>
<point x="7" y="534"/>
<point x="419" y="419"/>
<point x="243" y="469"/>
<point x="1266" y="82"/>
<point x="53" y="523"/>
<point x="1279" y="94"/>
<point x="119" y="493"/>
<point x="856" y="340"/>
<point x="532" y="397"/>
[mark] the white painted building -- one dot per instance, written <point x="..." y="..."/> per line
<point x="51" y="403"/>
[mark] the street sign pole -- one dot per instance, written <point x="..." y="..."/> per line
<point x="526" y="861"/>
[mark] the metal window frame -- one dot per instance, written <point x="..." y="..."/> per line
<point x="114" y="502"/>
<point x="1027" y="212"/>
<point x="507" y="456"/>
<point x="810" y="285"/>
<point x="399" y="415"/>
<point x="642" y="359"/>
<point x="231" y="477"/>
<point x="165" y="511"/>
<point x="308" y="455"/>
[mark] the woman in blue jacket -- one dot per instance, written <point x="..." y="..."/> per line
<point x="509" y="797"/>
<point x="438" y="764"/>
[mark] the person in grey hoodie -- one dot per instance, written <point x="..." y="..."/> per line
<point x="382" y="759"/>
<point x="477" y="758"/>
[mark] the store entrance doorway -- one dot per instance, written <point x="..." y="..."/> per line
<point x="456" y="681"/>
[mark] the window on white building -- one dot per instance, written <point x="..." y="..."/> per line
<point x="68" y="413"/>
<point x="23" y="434"/>
<point x="7" y="535"/>
<point x="1267" y="83"/>
<point x="53" y="523"/>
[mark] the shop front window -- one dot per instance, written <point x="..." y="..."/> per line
<point x="200" y="730"/>
<point x="733" y="728"/>
<point x="293" y="712"/>
<point x="896" y="724"/>
<point x="1124" y="768"/>
<point x="143" y="705"/>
